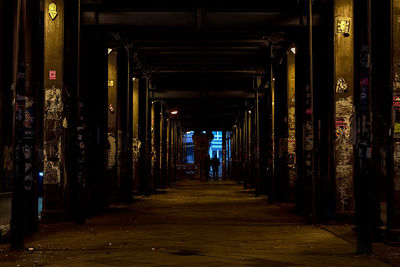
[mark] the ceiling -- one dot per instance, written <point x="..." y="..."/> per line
<point x="201" y="57"/>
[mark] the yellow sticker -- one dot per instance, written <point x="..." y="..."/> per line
<point x="53" y="11"/>
<point x="397" y="128"/>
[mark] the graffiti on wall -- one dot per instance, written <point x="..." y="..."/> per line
<point x="396" y="101"/>
<point x="52" y="162"/>
<point x="53" y="104"/>
<point x="396" y="105"/>
<point x="53" y="110"/>
<point x="344" y="153"/>
<point x="112" y="150"/>
<point x="396" y="163"/>
<point x="7" y="158"/>
<point x="396" y="144"/>
<point x="7" y="168"/>
<point x="344" y="186"/>
<point x="120" y="155"/>
<point x="29" y="140"/>
<point x="53" y="172"/>
<point x="341" y="86"/>
<point x="292" y="146"/>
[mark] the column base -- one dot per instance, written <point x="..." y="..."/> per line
<point x="393" y="237"/>
<point x="53" y="204"/>
<point x="49" y="216"/>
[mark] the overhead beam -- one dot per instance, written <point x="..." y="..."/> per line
<point x="158" y="95"/>
<point x="216" y="117"/>
<point x="208" y="126"/>
<point x="214" y="41"/>
<point x="204" y="49"/>
<point x="201" y="51"/>
<point x="187" y="19"/>
<point x="166" y="71"/>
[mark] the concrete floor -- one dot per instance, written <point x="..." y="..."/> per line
<point x="193" y="224"/>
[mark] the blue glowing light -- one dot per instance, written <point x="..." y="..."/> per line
<point x="41" y="174"/>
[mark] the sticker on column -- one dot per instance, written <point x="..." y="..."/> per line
<point x="52" y="75"/>
<point x="343" y="26"/>
<point x="341" y="86"/>
<point x="53" y="11"/>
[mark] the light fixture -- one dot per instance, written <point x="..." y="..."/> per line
<point x="109" y="50"/>
<point x="293" y="49"/>
<point x="273" y="79"/>
<point x="249" y="111"/>
<point x="41" y="174"/>
<point x="174" y="112"/>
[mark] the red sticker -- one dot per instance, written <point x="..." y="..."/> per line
<point x="52" y="75"/>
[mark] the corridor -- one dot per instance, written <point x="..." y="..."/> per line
<point x="192" y="223"/>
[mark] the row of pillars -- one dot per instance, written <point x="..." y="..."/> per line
<point x="324" y="127"/>
<point x="346" y="125"/>
<point x="78" y="111"/>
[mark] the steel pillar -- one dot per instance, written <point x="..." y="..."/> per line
<point x="224" y="157"/>
<point x="114" y="112"/>
<point x="54" y="119"/>
<point x="363" y="172"/>
<point x="393" y="217"/>
<point x="125" y="189"/>
<point x="291" y="121"/>
<point x="17" y="214"/>
<point x="344" y="106"/>
<point x="157" y="133"/>
<point x="270" y="129"/>
<point x="24" y="218"/>
<point x="144" y="116"/>
<point x="164" y="147"/>
<point x="245" y="144"/>
<point x="135" y="133"/>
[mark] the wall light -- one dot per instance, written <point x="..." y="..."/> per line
<point x="109" y="50"/>
<point x="293" y="49"/>
<point x="174" y="112"/>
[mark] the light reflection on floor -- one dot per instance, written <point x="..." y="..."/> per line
<point x="40" y="207"/>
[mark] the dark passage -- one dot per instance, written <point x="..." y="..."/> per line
<point x="205" y="132"/>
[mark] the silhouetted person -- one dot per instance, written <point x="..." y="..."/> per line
<point x="215" y="166"/>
